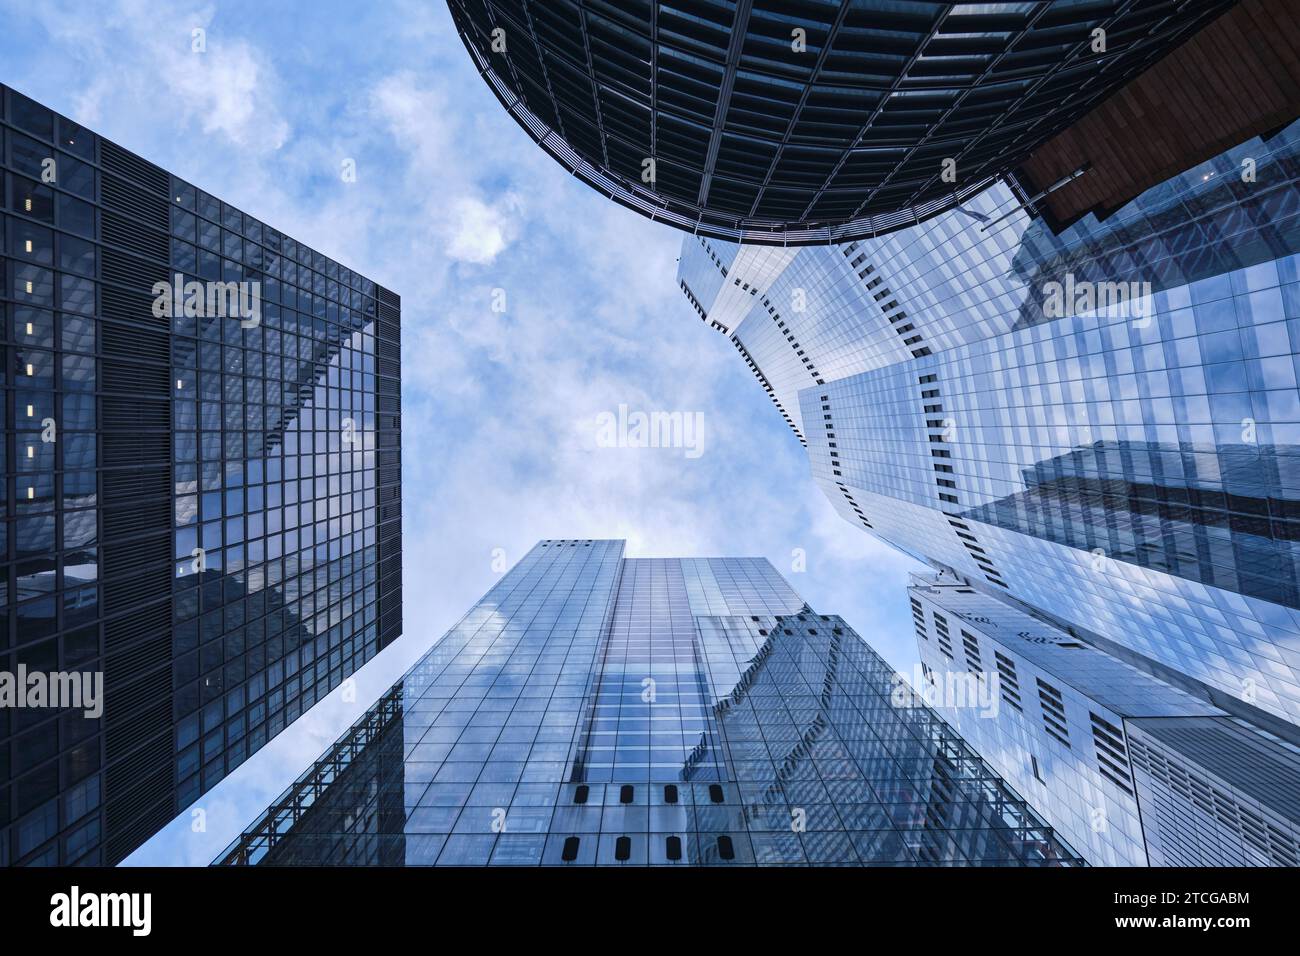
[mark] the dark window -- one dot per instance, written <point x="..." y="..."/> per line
<point x="625" y="793"/>
<point x="674" y="848"/>
<point x="580" y="795"/>
<point x="31" y="116"/>
<point x="715" y="793"/>
<point x="570" y="852"/>
<point x="725" y="849"/>
<point x="76" y="216"/>
<point x="623" y="849"/>
<point x="670" y="793"/>
<point x="76" y="176"/>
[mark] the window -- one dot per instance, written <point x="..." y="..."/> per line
<point x="76" y="216"/>
<point x="76" y="139"/>
<point x="30" y="116"/>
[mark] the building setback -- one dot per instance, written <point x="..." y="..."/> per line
<point x="203" y="508"/>
<point x="1128" y="466"/>
<point x="601" y="710"/>
<point x="1130" y="768"/>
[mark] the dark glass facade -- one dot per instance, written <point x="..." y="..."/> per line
<point x="205" y="509"/>
<point x="593" y="709"/>
<point x="818" y="122"/>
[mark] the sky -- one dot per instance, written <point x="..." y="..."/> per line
<point x="454" y="208"/>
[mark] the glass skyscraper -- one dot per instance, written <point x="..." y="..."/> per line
<point x="825" y="121"/>
<point x="203" y="508"/>
<point x="603" y="710"/>
<point x="1023" y="279"/>
<point x="1128" y="463"/>
<point x="1131" y="769"/>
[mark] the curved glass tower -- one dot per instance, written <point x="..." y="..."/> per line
<point x="824" y="121"/>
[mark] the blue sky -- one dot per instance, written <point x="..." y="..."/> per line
<point x="452" y="201"/>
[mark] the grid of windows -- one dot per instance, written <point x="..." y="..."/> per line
<point x="1132" y="467"/>
<point x="651" y="713"/>
<point x="1043" y="743"/>
<point x="275" y="536"/>
<point x="650" y="709"/>
<point x="49" y="555"/>
<point x="752" y="121"/>
<point x="774" y="736"/>
<point x="204" y="509"/>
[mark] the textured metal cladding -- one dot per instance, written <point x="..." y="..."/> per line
<point x="817" y="122"/>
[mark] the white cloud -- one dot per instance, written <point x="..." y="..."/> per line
<point x="145" y="54"/>
<point x="480" y="231"/>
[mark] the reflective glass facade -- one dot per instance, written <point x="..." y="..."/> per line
<point x="1215" y="791"/>
<point x="1130" y="467"/>
<point x="1131" y="769"/>
<point x="594" y="709"/>
<point x="202" y="508"/>
<point x="825" y="121"/>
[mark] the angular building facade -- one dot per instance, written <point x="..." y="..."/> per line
<point x="594" y="709"/>
<point x="1129" y="768"/>
<point x="1101" y="423"/>
<point x="825" y="121"/>
<point x="204" y="508"/>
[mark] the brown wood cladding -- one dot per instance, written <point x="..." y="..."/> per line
<point x="1237" y="78"/>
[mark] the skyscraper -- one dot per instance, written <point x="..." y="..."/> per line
<point x="201" y="505"/>
<point x="603" y="710"/>
<point x="1099" y="423"/>
<point x="1027" y="299"/>
<point x="833" y="120"/>
<point x="1131" y="769"/>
